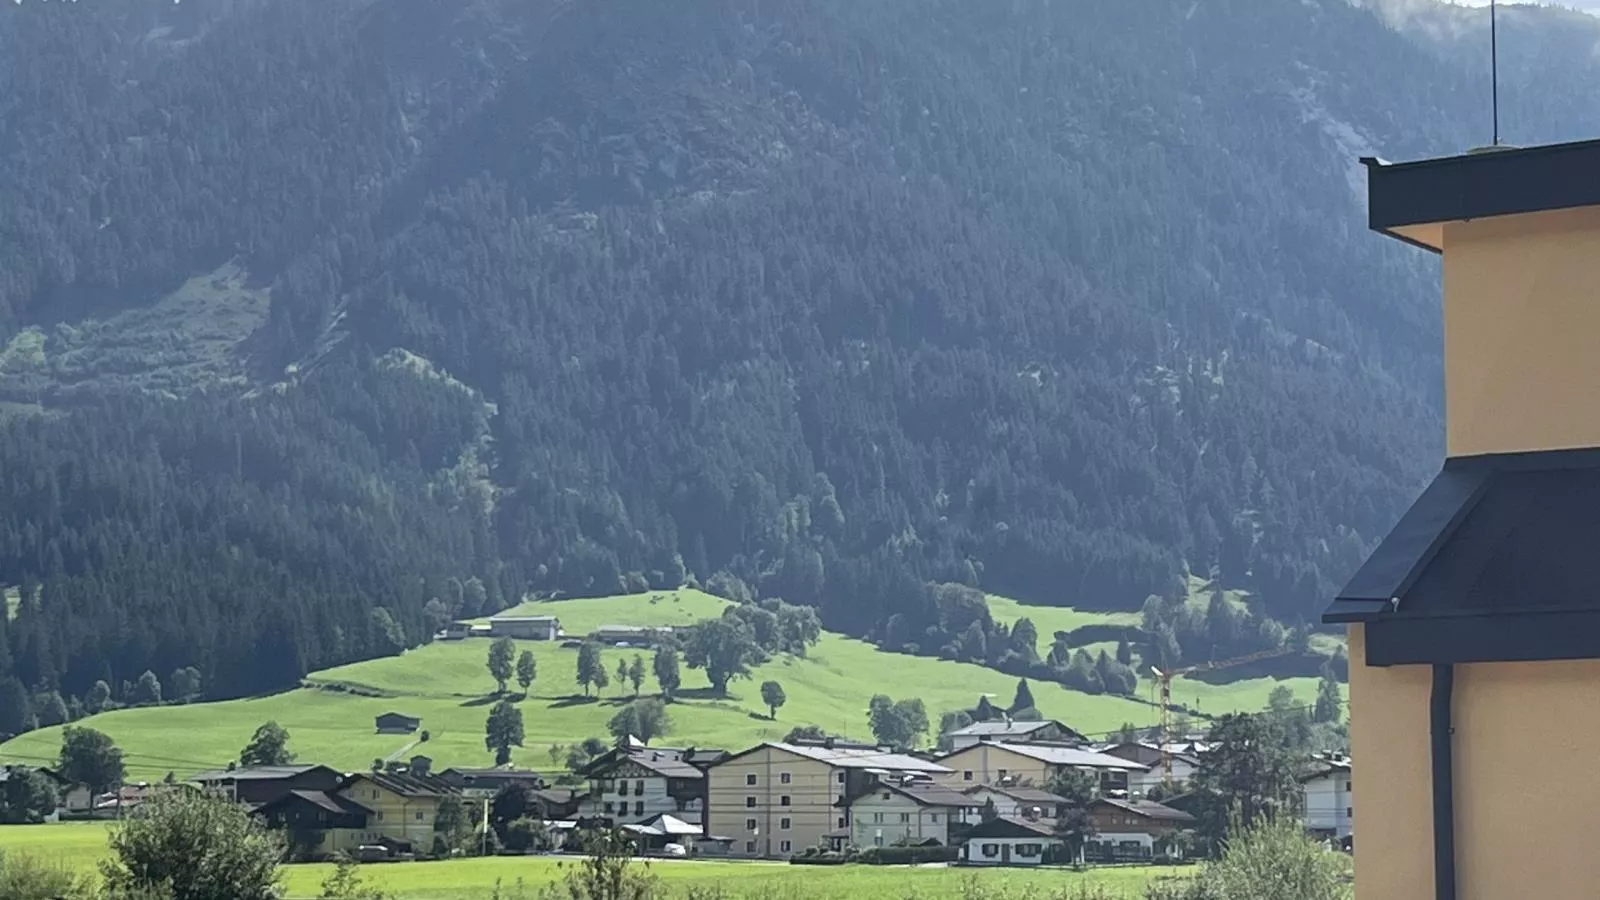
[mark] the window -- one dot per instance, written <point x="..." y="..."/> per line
<point x="784" y="846"/>
<point x="419" y="815"/>
<point x="783" y="778"/>
<point x="1029" y="849"/>
<point x="877" y="818"/>
<point x="877" y="840"/>
<point x="638" y="788"/>
<point x="608" y="807"/>
<point x="1347" y="786"/>
<point x="1002" y="773"/>
<point x="967" y="775"/>
<point x="750" y="779"/>
<point x="841" y="821"/>
<point x="905" y="817"/>
<point x="374" y="793"/>
<point x="840" y="777"/>
<point x="783" y="824"/>
<point x="784" y="800"/>
<point x="991" y="849"/>
<point x="749" y="824"/>
<point x="934" y="818"/>
<point x="749" y="803"/>
<point x="749" y="846"/>
<point x="886" y="795"/>
<point x="622" y="789"/>
<point x="380" y="815"/>
<point x="1349" y="811"/>
<point x="638" y="807"/>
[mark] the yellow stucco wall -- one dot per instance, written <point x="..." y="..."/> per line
<point x="406" y="818"/>
<point x="1393" y="806"/>
<point x="1521" y="320"/>
<point x="1524" y="804"/>
<point x="988" y="763"/>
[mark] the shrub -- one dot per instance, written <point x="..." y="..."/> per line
<point x="24" y="878"/>
<point x="524" y="834"/>
<point x="1273" y="859"/>
<point x="197" y="846"/>
<point x="907" y="856"/>
<point x="815" y="857"/>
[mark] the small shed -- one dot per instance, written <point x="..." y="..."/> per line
<point x="397" y="723"/>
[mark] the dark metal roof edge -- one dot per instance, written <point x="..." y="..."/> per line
<point x="1371" y="592"/>
<point x="1405" y="239"/>
<point x="1529" y="460"/>
<point x="1477" y="185"/>
<point x="1501" y="152"/>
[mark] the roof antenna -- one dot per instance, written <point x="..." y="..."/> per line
<point x="1494" y="82"/>
<point x="1494" y="71"/>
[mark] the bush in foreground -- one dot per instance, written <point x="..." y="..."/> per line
<point x="191" y="846"/>
<point x="1273" y="859"/>
<point x="23" y="877"/>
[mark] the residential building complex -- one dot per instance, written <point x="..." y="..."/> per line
<point x="777" y="799"/>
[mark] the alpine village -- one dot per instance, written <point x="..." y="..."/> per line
<point x="799" y="449"/>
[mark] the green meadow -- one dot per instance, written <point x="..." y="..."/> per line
<point x="80" y="847"/>
<point x="330" y="718"/>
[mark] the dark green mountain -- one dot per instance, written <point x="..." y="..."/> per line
<point x="313" y="311"/>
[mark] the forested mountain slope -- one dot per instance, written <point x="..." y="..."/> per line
<point x="315" y="311"/>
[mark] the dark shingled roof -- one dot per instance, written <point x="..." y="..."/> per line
<point x="1495" y="561"/>
<point x="254" y="773"/>
<point x="333" y="803"/>
<point x="1149" y="809"/>
<point x="1009" y="827"/>
<point x="928" y="793"/>
<point x="408" y="785"/>
<point x="1020" y="794"/>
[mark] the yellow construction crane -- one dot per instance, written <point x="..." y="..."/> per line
<point x="1164" y="686"/>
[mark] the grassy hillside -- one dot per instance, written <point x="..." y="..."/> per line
<point x="1244" y="694"/>
<point x="446" y="684"/>
<point x="330" y="719"/>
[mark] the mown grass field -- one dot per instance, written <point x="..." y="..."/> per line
<point x="330" y="720"/>
<point x="81" y="846"/>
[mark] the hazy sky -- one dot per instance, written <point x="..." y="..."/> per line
<point x="1589" y="5"/>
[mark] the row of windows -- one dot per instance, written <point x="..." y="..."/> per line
<point x="877" y="818"/>
<point x="783" y="778"/>
<point x="1020" y="849"/>
<point x="783" y="824"/>
<point x="750" y="802"/>
<point x="622" y="808"/>
<point x="783" y="847"/>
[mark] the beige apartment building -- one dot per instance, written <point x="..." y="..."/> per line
<point x="1032" y="765"/>
<point x="776" y="799"/>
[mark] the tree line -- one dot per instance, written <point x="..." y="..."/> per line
<point x="1026" y="338"/>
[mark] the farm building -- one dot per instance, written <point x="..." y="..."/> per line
<point x="631" y="635"/>
<point x="397" y="723"/>
<point x="525" y="628"/>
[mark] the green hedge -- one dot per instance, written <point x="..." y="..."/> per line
<point x="820" y="859"/>
<point x="907" y="856"/>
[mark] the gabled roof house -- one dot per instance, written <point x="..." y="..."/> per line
<point x="1474" y="627"/>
